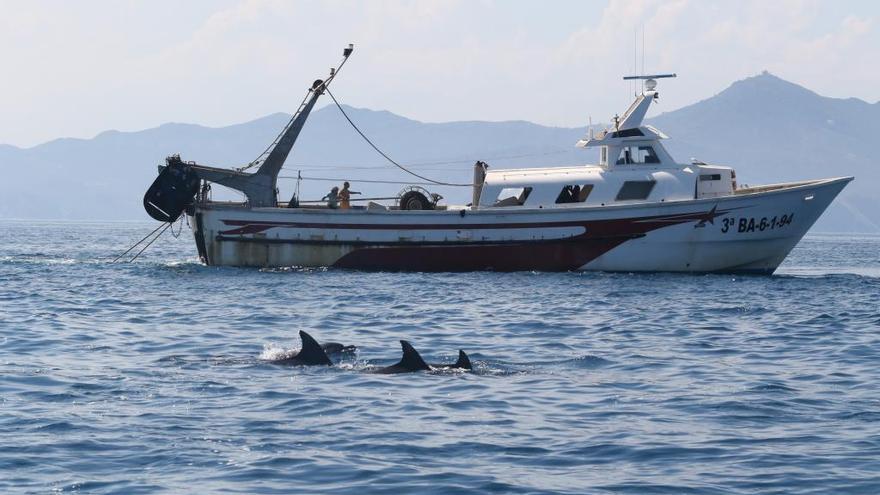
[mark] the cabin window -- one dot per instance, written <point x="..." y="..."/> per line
<point x="513" y="196"/>
<point x="627" y="133"/>
<point x="603" y="155"/>
<point x="704" y="177"/>
<point x="635" y="189"/>
<point x="586" y="189"/>
<point x="574" y="193"/>
<point x="631" y="155"/>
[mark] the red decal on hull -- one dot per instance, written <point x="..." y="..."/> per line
<point x="568" y="254"/>
<point x="546" y="256"/>
<point x="563" y="254"/>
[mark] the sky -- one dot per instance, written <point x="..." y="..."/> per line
<point x="75" y="69"/>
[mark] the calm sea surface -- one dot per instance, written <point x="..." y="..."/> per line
<point x="152" y="376"/>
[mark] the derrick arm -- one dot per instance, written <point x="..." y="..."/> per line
<point x="260" y="187"/>
<point x="272" y="165"/>
<point x="253" y="186"/>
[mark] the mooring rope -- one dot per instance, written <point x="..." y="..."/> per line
<point x="137" y="243"/>
<point x="151" y="241"/>
<point x="166" y="225"/>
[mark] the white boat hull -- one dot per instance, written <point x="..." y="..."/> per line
<point x="751" y="232"/>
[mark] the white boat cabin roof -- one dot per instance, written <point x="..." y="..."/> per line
<point x="633" y="167"/>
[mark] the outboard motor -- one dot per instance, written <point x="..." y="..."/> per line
<point x="172" y="191"/>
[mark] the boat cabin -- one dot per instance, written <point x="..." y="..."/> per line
<point x="633" y="167"/>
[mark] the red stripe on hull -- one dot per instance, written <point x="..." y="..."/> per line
<point x="561" y="255"/>
<point x="546" y="256"/>
<point x="571" y="253"/>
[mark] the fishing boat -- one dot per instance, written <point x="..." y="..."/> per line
<point x="636" y="210"/>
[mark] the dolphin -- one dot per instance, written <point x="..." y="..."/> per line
<point x="412" y="361"/>
<point x="312" y="353"/>
<point x="463" y="363"/>
<point x="337" y="348"/>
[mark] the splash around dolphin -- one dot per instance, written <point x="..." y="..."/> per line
<point x="412" y="361"/>
<point x="312" y="353"/>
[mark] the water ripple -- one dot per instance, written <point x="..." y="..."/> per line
<point x="153" y="376"/>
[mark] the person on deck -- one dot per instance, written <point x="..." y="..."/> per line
<point x="345" y="196"/>
<point x="332" y="198"/>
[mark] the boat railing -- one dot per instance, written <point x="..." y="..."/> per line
<point x="772" y="187"/>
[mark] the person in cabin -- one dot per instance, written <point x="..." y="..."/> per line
<point x="345" y="196"/>
<point x="332" y="198"/>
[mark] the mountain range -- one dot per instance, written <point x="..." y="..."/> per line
<point x="769" y="129"/>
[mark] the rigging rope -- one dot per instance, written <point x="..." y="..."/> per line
<point x="325" y="84"/>
<point x="401" y="167"/>
<point x="169" y="224"/>
<point x="372" y="181"/>
<point x="468" y="161"/>
<point x="137" y="243"/>
<point x="179" y="227"/>
<point x="265" y="152"/>
<point x="352" y="199"/>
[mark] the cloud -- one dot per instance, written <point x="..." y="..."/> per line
<point x="129" y="65"/>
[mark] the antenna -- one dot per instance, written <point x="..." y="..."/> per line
<point x="635" y="57"/>
<point x="643" y="49"/>
<point x="649" y="76"/>
<point x="650" y="81"/>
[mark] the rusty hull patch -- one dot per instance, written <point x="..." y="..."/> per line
<point x="251" y="252"/>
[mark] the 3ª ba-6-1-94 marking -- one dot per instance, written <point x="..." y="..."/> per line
<point x="752" y="224"/>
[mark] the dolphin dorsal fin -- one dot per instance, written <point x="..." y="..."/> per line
<point x="312" y="352"/>
<point x="411" y="359"/>
<point x="464" y="362"/>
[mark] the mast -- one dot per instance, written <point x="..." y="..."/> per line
<point x="260" y="187"/>
<point x="636" y="112"/>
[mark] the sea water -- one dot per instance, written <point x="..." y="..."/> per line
<point x="152" y="376"/>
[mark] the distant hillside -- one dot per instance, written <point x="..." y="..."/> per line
<point x="767" y="128"/>
<point x="105" y="177"/>
<point x="771" y="130"/>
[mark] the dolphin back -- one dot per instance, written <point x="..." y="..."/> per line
<point x="411" y="360"/>
<point x="312" y="353"/>
<point x="464" y="362"/>
<point x="337" y="348"/>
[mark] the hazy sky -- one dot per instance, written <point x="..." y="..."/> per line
<point x="78" y="68"/>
